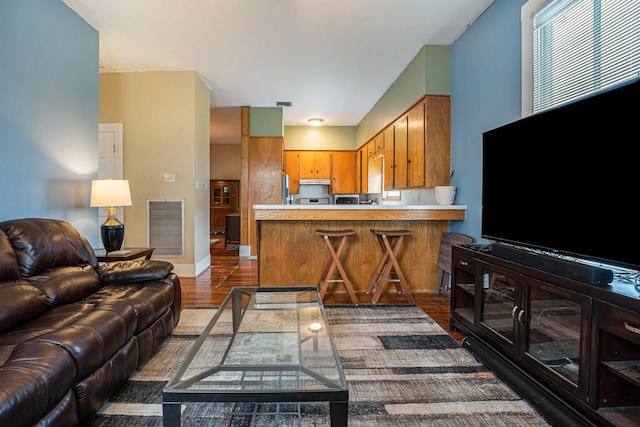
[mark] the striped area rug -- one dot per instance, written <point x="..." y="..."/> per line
<point x="403" y="369"/>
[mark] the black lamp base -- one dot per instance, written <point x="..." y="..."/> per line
<point x="112" y="236"/>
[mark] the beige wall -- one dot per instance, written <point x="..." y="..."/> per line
<point x="165" y="117"/>
<point x="226" y="161"/>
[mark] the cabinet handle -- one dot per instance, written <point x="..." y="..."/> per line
<point x="513" y="312"/>
<point x="630" y="328"/>
<point x="465" y="263"/>
<point x="520" y="317"/>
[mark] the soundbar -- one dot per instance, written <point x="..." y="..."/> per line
<point x="570" y="269"/>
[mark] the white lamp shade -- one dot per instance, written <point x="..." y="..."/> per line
<point x="110" y="192"/>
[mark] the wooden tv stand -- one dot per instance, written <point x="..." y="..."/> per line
<point x="571" y="349"/>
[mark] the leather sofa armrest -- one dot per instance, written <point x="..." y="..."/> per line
<point x="112" y="273"/>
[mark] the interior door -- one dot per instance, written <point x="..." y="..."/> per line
<point x="110" y="163"/>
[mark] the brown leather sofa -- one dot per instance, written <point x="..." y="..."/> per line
<point x="73" y="331"/>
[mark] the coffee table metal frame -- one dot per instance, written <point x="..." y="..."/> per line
<point x="313" y="374"/>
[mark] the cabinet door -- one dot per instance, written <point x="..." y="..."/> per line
<point x="437" y="141"/>
<point x="315" y="164"/>
<point x="499" y="305"/>
<point x="555" y="336"/>
<point x="371" y="145"/>
<point x="344" y="172"/>
<point x="291" y="168"/>
<point x="415" y="146"/>
<point x="363" y="170"/>
<point x="307" y="164"/>
<point x="379" y="143"/>
<point x="400" y="160"/>
<point x="389" y="166"/>
<point x="323" y="164"/>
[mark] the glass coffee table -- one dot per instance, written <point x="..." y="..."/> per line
<point x="264" y="344"/>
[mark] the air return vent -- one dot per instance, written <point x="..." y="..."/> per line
<point x="165" y="227"/>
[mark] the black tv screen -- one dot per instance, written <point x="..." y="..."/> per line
<point x="565" y="180"/>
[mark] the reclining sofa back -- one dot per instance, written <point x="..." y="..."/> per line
<point x="73" y="331"/>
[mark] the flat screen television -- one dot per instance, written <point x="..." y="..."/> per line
<point x="565" y="180"/>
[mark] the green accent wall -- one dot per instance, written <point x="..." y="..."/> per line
<point x="428" y="73"/>
<point x="266" y="121"/>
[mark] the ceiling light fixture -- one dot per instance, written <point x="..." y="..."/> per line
<point x="316" y="121"/>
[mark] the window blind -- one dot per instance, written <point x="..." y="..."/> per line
<point x="581" y="46"/>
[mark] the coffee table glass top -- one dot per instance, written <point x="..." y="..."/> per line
<point x="263" y="340"/>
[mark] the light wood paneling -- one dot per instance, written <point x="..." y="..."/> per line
<point x="290" y="253"/>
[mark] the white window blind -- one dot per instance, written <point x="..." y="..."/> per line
<point x="581" y="46"/>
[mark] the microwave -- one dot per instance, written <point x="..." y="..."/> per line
<point x="343" y="199"/>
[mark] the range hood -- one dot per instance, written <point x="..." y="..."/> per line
<point x="314" y="181"/>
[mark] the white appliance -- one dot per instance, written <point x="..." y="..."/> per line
<point x="313" y="201"/>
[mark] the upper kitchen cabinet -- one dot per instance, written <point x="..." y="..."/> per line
<point x="388" y="175"/>
<point x="314" y="164"/>
<point x="437" y="140"/>
<point x="292" y="168"/>
<point x="417" y="145"/>
<point x="362" y="169"/>
<point x="344" y="172"/>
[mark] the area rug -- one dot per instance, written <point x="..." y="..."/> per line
<point x="403" y="369"/>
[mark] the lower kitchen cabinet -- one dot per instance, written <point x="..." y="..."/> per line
<point x="572" y="349"/>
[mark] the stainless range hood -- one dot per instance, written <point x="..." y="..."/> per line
<point x="314" y="181"/>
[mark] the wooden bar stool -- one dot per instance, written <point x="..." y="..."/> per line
<point x="390" y="242"/>
<point x="335" y="266"/>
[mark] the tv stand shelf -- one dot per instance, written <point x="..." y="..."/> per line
<point x="572" y="348"/>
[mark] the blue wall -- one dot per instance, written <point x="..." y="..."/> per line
<point x="485" y="93"/>
<point x="48" y="113"/>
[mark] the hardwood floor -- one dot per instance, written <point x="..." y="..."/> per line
<point x="228" y="269"/>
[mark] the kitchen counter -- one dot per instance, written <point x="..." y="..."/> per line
<point x="290" y="253"/>
<point x="360" y="212"/>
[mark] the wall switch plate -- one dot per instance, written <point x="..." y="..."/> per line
<point x="169" y="177"/>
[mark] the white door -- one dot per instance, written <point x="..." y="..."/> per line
<point x="110" y="162"/>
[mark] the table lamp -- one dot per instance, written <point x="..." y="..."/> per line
<point x="110" y="193"/>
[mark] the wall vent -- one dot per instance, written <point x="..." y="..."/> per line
<point x="165" y="227"/>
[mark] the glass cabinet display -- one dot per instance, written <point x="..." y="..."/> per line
<point x="223" y="202"/>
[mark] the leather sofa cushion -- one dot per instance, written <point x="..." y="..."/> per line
<point x="90" y="333"/>
<point x="149" y="300"/>
<point x="9" y="269"/>
<point x="41" y="244"/>
<point x="64" y="285"/>
<point x="34" y="377"/>
<point x="19" y="303"/>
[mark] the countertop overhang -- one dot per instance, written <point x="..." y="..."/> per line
<point x="360" y="212"/>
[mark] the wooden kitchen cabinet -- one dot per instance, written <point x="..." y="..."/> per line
<point x="417" y="145"/>
<point x="362" y="169"/>
<point x="314" y="164"/>
<point x="388" y="174"/>
<point x="292" y="168"/>
<point x="344" y="172"/>
<point x="400" y="159"/>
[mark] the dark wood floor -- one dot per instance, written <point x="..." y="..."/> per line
<point x="228" y="269"/>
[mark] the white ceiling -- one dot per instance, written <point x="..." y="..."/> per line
<point x="330" y="58"/>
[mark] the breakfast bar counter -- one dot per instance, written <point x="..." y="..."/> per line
<point x="290" y="253"/>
